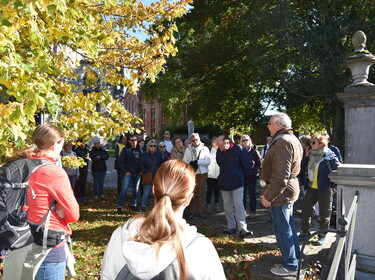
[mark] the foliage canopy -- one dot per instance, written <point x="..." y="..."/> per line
<point x="238" y="56"/>
<point x="43" y="42"/>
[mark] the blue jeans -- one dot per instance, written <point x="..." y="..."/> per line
<point x="98" y="184"/>
<point x="234" y="210"/>
<point x="134" y="180"/>
<point x="72" y="180"/>
<point x="286" y="236"/>
<point x="146" y="193"/>
<point x="51" y="271"/>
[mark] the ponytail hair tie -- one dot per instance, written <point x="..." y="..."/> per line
<point x="166" y="195"/>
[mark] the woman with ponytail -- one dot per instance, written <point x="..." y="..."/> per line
<point x="160" y="244"/>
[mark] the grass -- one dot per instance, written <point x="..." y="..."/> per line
<point x="99" y="219"/>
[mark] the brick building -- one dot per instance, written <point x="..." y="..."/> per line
<point x="150" y="113"/>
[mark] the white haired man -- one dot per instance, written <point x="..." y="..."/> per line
<point x="280" y="169"/>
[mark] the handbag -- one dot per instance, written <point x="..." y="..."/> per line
<point x="194" y="163"/>
<point x="146" y="179"/>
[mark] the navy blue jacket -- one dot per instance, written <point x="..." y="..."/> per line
<point x="329" y="162"/>
<point x="150" y="163"/>
<point x="233" y="163"/>
<point x="130" y="160"/>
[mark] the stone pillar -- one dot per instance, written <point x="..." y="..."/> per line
<point x="359" y="105"/>
<point x="358" y="172"/>
<point x="350" y="178"/>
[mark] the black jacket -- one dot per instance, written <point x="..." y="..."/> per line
<point x="130" y="160"/>
<point x="98" y="158"/>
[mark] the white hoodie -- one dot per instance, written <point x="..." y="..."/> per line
<point x="202" y="259"/>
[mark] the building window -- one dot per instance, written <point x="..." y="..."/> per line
<point x="144" y="115"/>
<point x="126" y="105"/>
<point x="133" y="109"/>
<point x="153" y="130"/>
<point x="153" y="114"/>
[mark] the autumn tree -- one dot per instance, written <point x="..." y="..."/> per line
<point x="43" y="42"/>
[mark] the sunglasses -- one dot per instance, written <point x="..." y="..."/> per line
<point x="133" y="140"/>
<point x="245" y="140"/>
<point x="195" y="140"/>
<point x="152" y="145"/>
<point x="314" y="142"/>
<point x="162" y="146"/>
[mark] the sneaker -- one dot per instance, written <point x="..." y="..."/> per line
<point x="218" y="209"/>
<point x="252" y="215"/>
<point x="230" y="231"/>
<point x="95" y="197"/>
<point x="119" y="211"/>
<point x="321" y="240"/>
<point x="134" y="208"/>
<point x="101" y="196"/>
<point x="280" y="270"/>
<point x="208" y="209"/>
<point x="244" y="233"/>
<point x="143" y="209"/>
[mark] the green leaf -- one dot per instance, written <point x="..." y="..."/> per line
<point x="15" y="116"/>
<point x="4" y="2"/>
<point x="65" y="38"/>
<point x="6" y="23"/>
<point x="51" y="8"/>
<point x="18" y="4"/>
<point x="29" y="68"/>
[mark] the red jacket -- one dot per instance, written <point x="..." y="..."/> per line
<point x="51" y="183"/>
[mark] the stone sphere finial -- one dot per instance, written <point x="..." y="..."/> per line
<point x="359" y="41"/>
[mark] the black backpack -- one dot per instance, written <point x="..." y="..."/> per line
<point x="14" y="177"/>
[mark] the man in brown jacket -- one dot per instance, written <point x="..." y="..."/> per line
<point x="280" y="169"/>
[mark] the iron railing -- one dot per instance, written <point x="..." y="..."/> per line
<point x="344" y="263"/>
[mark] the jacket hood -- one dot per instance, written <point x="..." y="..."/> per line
<point x="329" y="155"/>
<point x="141" y="258"/>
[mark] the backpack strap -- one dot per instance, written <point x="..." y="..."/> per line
<point x="169" y="272"/>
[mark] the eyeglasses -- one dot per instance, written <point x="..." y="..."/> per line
<point x="194" y="140"/>
<point x="133" y="140"/>
<point x="162" y="146"/>
<point x="314" y="142"/>
<point x="152" y="145"/>
<point x="245" y="140"/>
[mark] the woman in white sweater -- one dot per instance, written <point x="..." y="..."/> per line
<point x="160" y="244"/>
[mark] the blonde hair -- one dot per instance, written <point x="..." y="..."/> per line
<point x="322" y="138"/>
<point x="173" y="187"/>
<point x="149" y="143"/>
<point x="44" y="136"/>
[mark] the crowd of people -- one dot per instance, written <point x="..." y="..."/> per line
<point x="168" y="179"/>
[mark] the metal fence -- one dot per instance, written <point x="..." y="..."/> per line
<point x="344" y="262"/>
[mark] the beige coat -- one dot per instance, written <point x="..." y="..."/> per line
<point x="281" y="167"/>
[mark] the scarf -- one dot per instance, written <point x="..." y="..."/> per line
<point x="314" y="159"/>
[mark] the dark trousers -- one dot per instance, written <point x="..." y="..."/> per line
<point x="250" y="189"/>
<point x="120" y="179"/>
<point x="80" y="189"/>
<point x="212" y="185"/>
<point x="198" y="198"/>
<point x="311" y="197"/>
